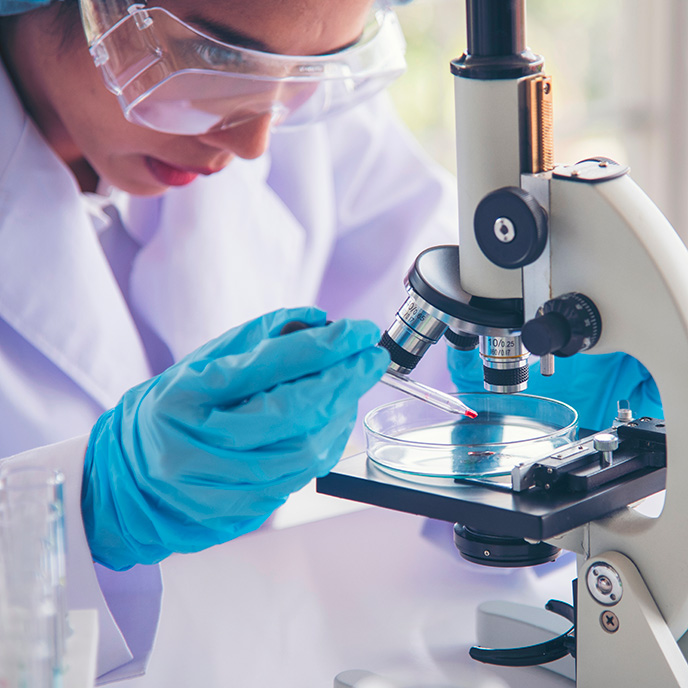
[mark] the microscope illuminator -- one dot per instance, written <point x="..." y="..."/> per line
<point x="504" y="552"/>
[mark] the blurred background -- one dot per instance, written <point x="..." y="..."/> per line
<point x="620" y="73"/>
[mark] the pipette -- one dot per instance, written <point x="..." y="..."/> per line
<point x="433" y="396"/>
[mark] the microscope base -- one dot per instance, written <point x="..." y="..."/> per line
<point x="501" y="623"/>
<point x="359" y="678"/>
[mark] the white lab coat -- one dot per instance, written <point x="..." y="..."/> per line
<point x="93" y="301"/>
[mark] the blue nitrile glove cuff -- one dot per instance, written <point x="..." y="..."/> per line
<point x="114" y="542"/>
<point x="208" y="449"/>
<point x="591" y="383"/>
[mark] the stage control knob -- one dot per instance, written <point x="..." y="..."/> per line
<point x="563" y="326"/>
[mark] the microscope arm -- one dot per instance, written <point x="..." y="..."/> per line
<point x="611" y="243"/>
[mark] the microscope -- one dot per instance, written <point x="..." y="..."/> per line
<point x="555" y="260"/>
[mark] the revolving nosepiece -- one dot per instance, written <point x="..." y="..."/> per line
<point x="437" y="305"/>
<point x="415" y="329"/>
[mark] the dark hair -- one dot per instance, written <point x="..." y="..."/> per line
<point x="69" y="20"/>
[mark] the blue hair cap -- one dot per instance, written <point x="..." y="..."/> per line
<point x="8" y="7"/>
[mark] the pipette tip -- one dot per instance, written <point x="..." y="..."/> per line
<point x="442" y="400"/>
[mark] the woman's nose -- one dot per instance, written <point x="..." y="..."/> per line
<point x="247" y="140"/>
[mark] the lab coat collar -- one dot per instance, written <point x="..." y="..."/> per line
<point x="56" y="288"/>
<point x="226" y="250"/>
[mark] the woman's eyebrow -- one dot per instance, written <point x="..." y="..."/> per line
<point x="221" y="32"/>
<point x="225" y="34"/>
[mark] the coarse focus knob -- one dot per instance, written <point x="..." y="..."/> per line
<point x="510" y="227"/>
<point x="563" y="326"/>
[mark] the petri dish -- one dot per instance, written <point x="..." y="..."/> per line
<point x="416" y="438"/>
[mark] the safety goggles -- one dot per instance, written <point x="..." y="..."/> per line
<point x="171" y="77"/>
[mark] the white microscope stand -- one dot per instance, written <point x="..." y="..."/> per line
<point x="610" y="242"/>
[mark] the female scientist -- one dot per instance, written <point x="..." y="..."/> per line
<point x="146" y="227"/>
<point x="136" y="226"/>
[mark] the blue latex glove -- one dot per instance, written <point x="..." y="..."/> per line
<point x="591" y="383"/>
<point x="208" y="449"/>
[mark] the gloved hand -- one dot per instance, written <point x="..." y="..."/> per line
<point x="208" y="449"/>
<point x="591" y="383"/>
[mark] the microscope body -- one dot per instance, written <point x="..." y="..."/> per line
<point x="606" y="245"/>
<point x="607" y="241"/>
<point x="556" y="260"/>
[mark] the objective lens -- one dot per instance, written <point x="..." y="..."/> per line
<point x="505" y="364"/>
<point x="461" y="341"/>
<point x="410" y="336"/>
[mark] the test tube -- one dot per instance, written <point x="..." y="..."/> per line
<point x="5" y="620"/>
<point x="33" y="554"/>
<point x="433" y="396"/>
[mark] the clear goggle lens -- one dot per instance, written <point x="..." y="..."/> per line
<point x="171" y="78"/>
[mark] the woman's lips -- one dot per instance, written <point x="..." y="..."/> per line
<point x="169" y="175"/>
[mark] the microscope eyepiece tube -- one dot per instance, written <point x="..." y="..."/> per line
<point x="505" y="364"/>
<point x="495" y="27"/>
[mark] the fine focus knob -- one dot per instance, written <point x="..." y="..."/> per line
<point x="546" y="333"/>
<point x="564" y="326"/>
